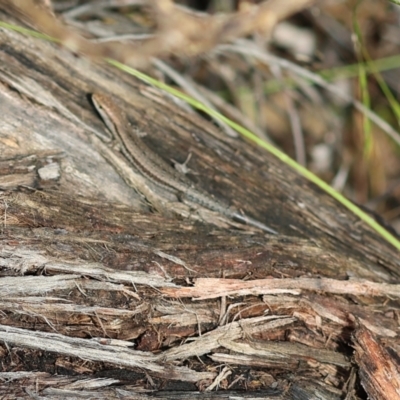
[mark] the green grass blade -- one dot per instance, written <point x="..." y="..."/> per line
<point x="246" y="133"/>
<point x="276" y="152"/>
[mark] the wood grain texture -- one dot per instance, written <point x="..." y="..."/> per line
<point x="83" y="256"/>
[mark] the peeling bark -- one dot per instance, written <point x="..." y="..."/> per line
<point x="94" y="281"/>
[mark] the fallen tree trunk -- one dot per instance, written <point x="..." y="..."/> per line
<point x="101" y="292"/>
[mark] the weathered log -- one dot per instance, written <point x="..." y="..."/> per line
<point x="94" y="279"/>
